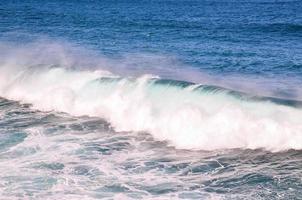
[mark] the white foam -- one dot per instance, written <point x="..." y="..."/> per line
<point x="184" y="117"/>
<point x="187" y="119"/>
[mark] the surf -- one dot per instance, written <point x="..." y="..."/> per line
<point x="185" y="114"/>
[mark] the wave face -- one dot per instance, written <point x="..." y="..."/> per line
<point x="187" y="115"/>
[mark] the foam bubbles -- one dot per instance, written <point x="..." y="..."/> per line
<point x="184" y="116"/>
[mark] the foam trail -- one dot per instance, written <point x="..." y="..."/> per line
<point x="187" y="116"/>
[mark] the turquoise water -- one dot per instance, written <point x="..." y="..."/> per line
<point x="151" y="99"/>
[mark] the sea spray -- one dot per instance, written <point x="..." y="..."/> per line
<point x="198" y="118"/>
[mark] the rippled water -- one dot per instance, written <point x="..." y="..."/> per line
<point x="247" y="37"/>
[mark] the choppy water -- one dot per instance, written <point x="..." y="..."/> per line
<point x="151" y="99"/>
<point x="57" y="156"/>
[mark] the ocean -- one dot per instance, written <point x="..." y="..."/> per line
<point x="151" y="99"/>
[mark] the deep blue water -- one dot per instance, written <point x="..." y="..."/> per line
<point x="67" y="133"/>
<point x="249" y="37"/>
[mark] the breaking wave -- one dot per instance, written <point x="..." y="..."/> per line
<point x="185" y="114"/>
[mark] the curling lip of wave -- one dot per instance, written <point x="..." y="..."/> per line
<point x="237" y="94"/>
<point x="187" y="115"/>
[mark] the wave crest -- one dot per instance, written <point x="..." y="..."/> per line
<point x="187" y="115"/>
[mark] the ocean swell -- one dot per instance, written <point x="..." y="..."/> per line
<point x="187" y="115"/>
<point x="195" y="116"/>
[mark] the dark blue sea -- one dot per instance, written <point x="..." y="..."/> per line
<point x="150" y="99"/>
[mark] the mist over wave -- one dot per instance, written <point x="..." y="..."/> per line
<point x="187" y="115"/>
<point x="151" y="99"/>
<point x="43" y="52"/>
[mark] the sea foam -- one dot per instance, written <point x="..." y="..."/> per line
<point x="186" y="115"/>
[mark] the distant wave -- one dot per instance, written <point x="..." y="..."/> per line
<point x="284" y="28"/>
